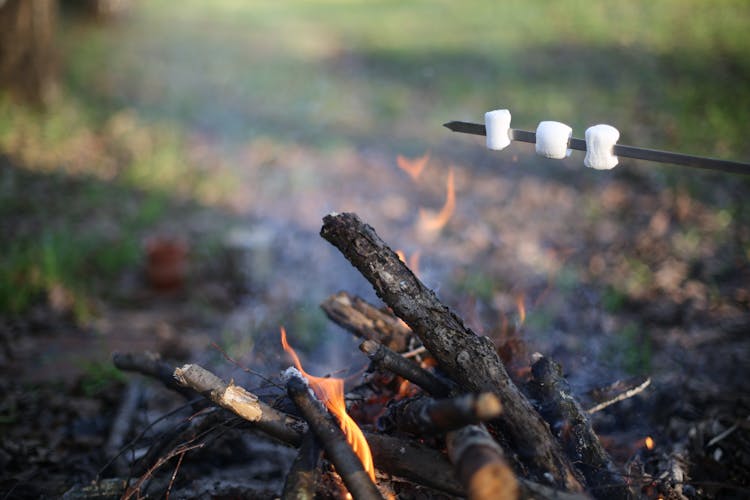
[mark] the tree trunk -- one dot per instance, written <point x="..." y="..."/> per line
<point x="28" y="61"/>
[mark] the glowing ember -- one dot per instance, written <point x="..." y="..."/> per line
<point x="435" y="222"/>
<point x="649" y="443"/>
<point x="331" y="392"/>
<point x="413" y="167"/>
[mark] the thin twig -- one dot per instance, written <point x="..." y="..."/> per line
<point x="174" y="475"/>
<point x="415" y="352"/>
<point x="244" y="368"/>
<point x="620" y="397"/>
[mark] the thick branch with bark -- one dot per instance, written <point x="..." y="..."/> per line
<point x="243" y="403"/>
<point x="467" y="358"/>
<point x="572" y="427"/>
<point x="367" y="321"/>
<point x="400" y="457"/>
<point x="423" y="415"/>
<point x="480" y="464"/>
<point x="347" y="463"/>
<point x="151" y="364"/>
<point x="407" y="368"/>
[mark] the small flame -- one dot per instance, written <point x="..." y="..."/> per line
<point x="331" y="392"/>
<point x="435" y="222"/>
<point x="401" y="256"/>
<point x="520" y="304"/>
<point x="413" y="167"/>
<point x="649" y="443"/>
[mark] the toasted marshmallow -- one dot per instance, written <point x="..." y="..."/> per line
<point x="552" y="139"/>
<point x="497" y="123"/>
<point x="599" y="142"/>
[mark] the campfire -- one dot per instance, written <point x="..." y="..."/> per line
<point x="437" y="413"/>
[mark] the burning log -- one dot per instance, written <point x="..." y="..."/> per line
<point x="405" y="458"/>
<point x="347" y="463"/>
<point x="366" y="321"/>
<point x="243" y="403"/>
<point x="480" y="465"/>
<point x="571" y="425"/>
<point x="422" y="415"/>
<point x="469" y="359"/>
<point x="388" y="360"/>
<point x="303" y="476"/>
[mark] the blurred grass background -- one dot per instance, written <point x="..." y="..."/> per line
<point x="115" y="146"/>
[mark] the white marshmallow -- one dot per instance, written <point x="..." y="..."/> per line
<point x="599" y="142"/>
<point x="497" y="123"/>
<point x="552" y="139"/>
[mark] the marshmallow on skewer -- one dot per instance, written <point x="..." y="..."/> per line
<point x="599" y="142"/>
<point x="552" y="139"/>
<point x="497" y="123"/>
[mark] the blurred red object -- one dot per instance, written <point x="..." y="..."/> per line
<point x="166" y="264"/>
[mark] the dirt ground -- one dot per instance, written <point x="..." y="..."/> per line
<point x="620" y="277"/>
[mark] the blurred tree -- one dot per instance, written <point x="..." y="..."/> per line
<point x="28" y="60"/>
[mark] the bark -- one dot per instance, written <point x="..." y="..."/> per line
<point x="243" y="403"/>
<point x="480" y="465"/>
<point x="367" y="321"/>
<point x="405" y="458"/>
<point x="422" y="415"/>
<point x="148" y="363"/>
<point x="470" y="360"/>
<point x="572" y="427"/>
<point x="303" y="476"/>
<point x="407" y="368"/>
<point x="414" y="461"/>
<point x="27" y="49"/>
<point x="339" y="452"/>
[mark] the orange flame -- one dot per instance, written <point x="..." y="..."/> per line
<point x="331" y="392"/>
<point x="435" y="222"/>
<point x="521" y="309"/>
<point x="413" y="167"/>
<point x="412" y="262"/>
<point x="649" y="443"/>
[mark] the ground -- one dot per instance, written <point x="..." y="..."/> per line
<point x="235" y="129"/>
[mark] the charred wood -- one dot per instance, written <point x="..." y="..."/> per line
<point x="423" y="415"/>
<point x="469" y="359"/>
<point x="303" y="476"/>
<point x="407" y="368"/>
<point x="121" y="425"/>
<point x="400" y="457"/>
<point x="572" y="427"/>
<point x="480" y="464"/>
<point x="414" y="461"/>
<point x="243" y="403"/>
<point x="347" y="463"/>
<point x="367" y="321"/>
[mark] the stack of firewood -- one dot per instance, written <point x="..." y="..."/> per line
<point x="468" y="430"/>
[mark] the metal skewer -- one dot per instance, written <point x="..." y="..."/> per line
<point x="734" y="167"/>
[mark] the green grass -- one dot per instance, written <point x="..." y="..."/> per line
<point x="329" y="71"/>
<point x="332" y="74"/>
